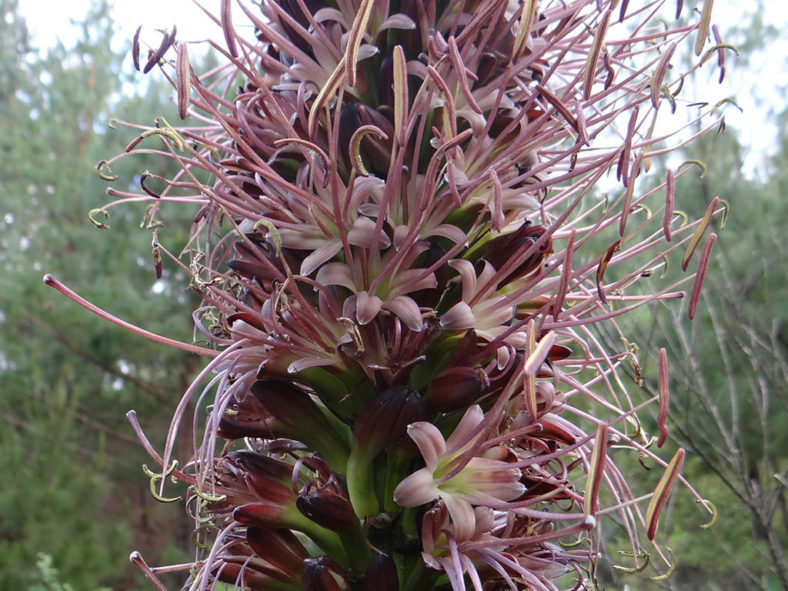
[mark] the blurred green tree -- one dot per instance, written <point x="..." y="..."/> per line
<point x="75" y="490"/>
<point x="728" y="368"/>
<point x="728" y="374"/>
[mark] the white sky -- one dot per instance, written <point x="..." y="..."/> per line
<point x="48" y="19"/>
<point x="761" y="90"/>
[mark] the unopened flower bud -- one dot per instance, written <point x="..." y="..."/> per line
<point x="457" y="387"/>
<point x="296" y="416"/>
<point x="327" y="508"/>
<point x="323" y="574"/>
<point x="502" y="249"/>
<point x="263" y="514"/>
<point x="230" y="572"/>
<point x="266" y="479"/>
<point x="382" y="422"/>
<point x="381" y="574"/>
<point x="247" y="418"/>
<point x="386" y="415"/>
<point x="278" y="547"/>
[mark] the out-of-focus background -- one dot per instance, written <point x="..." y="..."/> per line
<point x="74" y="501"/>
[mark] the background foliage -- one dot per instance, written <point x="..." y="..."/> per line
<point x="75" y="501"/>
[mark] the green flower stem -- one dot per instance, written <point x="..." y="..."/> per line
<point x="397" y="467"/>
<point x="343" y="395"/>
<point x="437" y="355"/>
<point x="356" y="547"/>
<point x="361" y="481"/>
<point x="417" y="576"/>
<point x="343" y="432"/>
<point x="330" y="542"/>
<point x="333" y="446"/>
<point x="410" y="526"/>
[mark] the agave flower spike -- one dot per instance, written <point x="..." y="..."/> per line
<point x="405" y="260"/>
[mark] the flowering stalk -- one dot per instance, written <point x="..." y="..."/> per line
<point x="404" y="259"/>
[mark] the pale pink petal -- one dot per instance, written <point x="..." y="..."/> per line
<point x="366" y="51"/>
<point x="417" y="489"/>
<point x="397" y="21"/>
<point x="411" y="280"/>
<point x="306" y="363"/>
<point x="370" y="210"/>
<point x="407" y="310"/>
<point x="364" y="189"/>
<point x="363" y="233"/>
<point x="502" y="356"/>
<point x="467" y="276"/>
<point x="489" y="477"/>
<point x="430" y="442"/>
<point x="453" y="233"/>
<point x="485" y="519"/>
<point x="460" y="178"/>
<point x="518" y="339"/>
<point x="331" y="14"/>
<point x="458" y="317"/>
<point x="485" y="277"/>
<point x="520" y="200"/>
<point x="400" y="233"/>
<point x="367" y="307"/>
<point x="336" y="274"/>
<point x="470" y="420"/>
<point x="308" y="239"/>
<point x="462" y="516"/>
<point x="493" y="312"/>
<point x="320" y="256"/>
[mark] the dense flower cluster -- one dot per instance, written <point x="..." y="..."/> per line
<point x="403" y="255"/>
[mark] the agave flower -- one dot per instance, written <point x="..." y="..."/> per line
<point x="402" y="242"/>
<point x="459" y="483"/>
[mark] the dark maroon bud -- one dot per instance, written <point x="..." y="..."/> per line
<point x="327" y="508"/>
<point x="412" y="410"/>
<point x="263" y="514"/>
<point x="381" y="574"/>
<point x="457" y="387"/>
<point x="246" y="418"/>
<point x="266" y="478"/>
<point x="243" y="555"/>
<point x="411" y="39"/>
<point x="292" y="8"/>
<point x="251" y="267"/>
<point x="372" y="427"/>
<point x="503" y="122"/>
<point x="484" y="70"/>
<point x="249" y="578"/>
<point x="287" y="403"/>
<point x="261" y="466"/>
<point x="387" y="414"/>
<point x="296" y="416"/>
<point x="559" y="352"/>
<point x="323" y="574"/>
<point x="502" y="249"/>
<point x="279" y="547"/>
